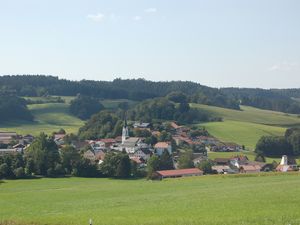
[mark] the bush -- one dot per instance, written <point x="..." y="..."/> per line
<point x="19" y="172"/>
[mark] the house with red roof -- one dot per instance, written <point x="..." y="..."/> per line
<point x="160" y="147"/>
<point x="179" y="173"/>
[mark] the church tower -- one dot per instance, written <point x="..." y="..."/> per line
<point x="125" y="133"/>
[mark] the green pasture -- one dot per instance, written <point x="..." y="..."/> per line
<point x="252" y="115"/>
<point x="264" y="199"/>
<point x="247" y="125"/>
<point x="48" y="117"/>
<point x="243" y="133"/>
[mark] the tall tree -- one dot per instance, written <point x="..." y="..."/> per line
<point x="44" y="154"/>
<point x="186" y="160"/>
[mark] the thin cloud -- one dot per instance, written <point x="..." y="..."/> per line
<point x="96" y="17"/>
<point x="284" y="66"/>
<point x="136" y="18"/>
<point x="151" y="10"/>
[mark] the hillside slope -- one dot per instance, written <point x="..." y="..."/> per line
<point x="48" y="117"/>
<point x="247" y="125"/>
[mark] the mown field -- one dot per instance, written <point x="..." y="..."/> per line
<point x="246" y="126"/>
<point x="48" y="117"/>
<point x="231" y="199"/>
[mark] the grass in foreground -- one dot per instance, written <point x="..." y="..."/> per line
<point x="203" y="200"/>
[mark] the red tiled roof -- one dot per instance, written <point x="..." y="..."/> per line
<point x="108" y="140"/>
<point x="161" y="145"/>
<point x="174" y="125"/>
<point x="166" y="173"/>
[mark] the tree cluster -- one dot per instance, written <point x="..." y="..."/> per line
<point x="163" y="162"/>
<point x="278" y="146"/>
<point x="164" y="109"/>
<point x="84" y="106"/>
<point x="13" y="108"/>
<point x="104" y="124"/>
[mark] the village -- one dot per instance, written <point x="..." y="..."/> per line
<point x="177" y="140"/>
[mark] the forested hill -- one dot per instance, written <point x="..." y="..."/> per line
<point x="282" y="100"/>
<point x="135" y="89"/>
<point x="139" y="89"/>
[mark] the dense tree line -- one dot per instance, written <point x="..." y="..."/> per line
<point x="274" y="99"/>
<point x="164" y="109"/>
<point x="278" y="146"/>
<point x="85" y="106"/>
<point x="135" y="89"/>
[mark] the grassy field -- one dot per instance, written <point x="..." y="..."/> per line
<point x="208" y="200"/>
<point x="243" y="133"/>
<point x="252" y="115"/>
<point x="48" y="117"/>
<point x="247" y="125"/>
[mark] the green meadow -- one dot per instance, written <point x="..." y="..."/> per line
<point x="48" y="117"/>
<point x="247" y="125"/>
<point x="265" y="199"/>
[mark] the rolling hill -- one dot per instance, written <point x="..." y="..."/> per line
<point x="48" y="117"/>
<point x="247" y="125"/>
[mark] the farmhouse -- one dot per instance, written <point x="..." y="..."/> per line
<point x="11" y="151"/>
<point x="221" y="161"/>
<point x="159" y="148"/>
<point x="284" y="165"/>
<point x="223" y="169"/>
<point x="179" y="173"/>
<point x="7" y="137"/>
<point x="141" y="125"/>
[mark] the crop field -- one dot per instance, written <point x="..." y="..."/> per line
<point x="265" y="199"/>
<point x="247" y="125"/>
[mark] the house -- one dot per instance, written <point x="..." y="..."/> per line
<point x="159" y="148"/>
<point x="143" y="153"/>
<point x="11" y="151"/>
<point x="197" y="160"/>
<point x="102" y="144"/>
<point x="139" y="161"/>
<point x="28" y="138"/>
<point x="130" y="145"/>
<point x="89" y="155"/>
<point x="141" y="125"/>
<point x="100" y="155"/>
<point x="223" y="169"/>
<point x="59" y="139"/>
<point x="155" y="133"/>
<point x="248" y="168"/>
<point x="221" y="161"/>
<point x="179" y="173"/>
<point x="284" y="165"/>
<point x="19" y="147"/>
<point x="7" y="137"/>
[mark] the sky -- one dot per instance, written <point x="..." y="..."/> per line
<point x="218" y="43"/>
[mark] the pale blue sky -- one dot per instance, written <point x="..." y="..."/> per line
<point x="254" y="43"/>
